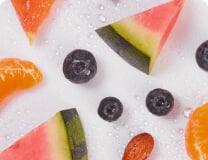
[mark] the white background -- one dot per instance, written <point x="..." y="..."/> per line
<point x="70" y="26"/>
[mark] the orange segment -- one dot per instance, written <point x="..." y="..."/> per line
<point x="16" y="74"/>
<point x="31" y="14"/>
<point x="196" y="136"/>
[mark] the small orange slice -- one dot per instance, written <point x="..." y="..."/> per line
<point x="16" y="74"/>
<point x="196" y="136"/>
<point x="31" y="14"/>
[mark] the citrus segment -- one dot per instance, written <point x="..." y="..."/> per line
<point x="16" y="74"/>
<point x="196" y="136"/>
<point x="31" y="14"/>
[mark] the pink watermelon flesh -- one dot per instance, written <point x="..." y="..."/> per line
<point x="146" y="31"/>
<point x="35" y="146"/>
<point x="160" y="19"/>
<point x="53" y="140"/>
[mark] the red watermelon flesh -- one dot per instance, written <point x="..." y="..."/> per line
<point x="51" y="141"/>
<point x="146" y="31"/>
<point x="31" y="14"/>
<point x="160" y="20"/>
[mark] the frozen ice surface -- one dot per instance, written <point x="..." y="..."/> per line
<point x="70" y="26"/>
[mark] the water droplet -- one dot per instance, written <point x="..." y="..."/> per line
<point x="180" y="130"/>
<point x="90" y="26"/>
<point x="137" y="97"/>
<point x="27" y="111"/>
<point x="46" y="41"/>
<point x="90" y="36"/>
<point x="126" y="126"/>
<point x="131" y="134"/>
<point x="7" y="137"/>
<point x="101" y="7"/>
<point x="145" y="123"/>
<point x="14" y="42"/>
<point x="116" y="128"/>
<point x="175" y="120"/>
<point x="116" y="136"/>
<point x="101" y="18"/>
<point x="110" y="134"/>
<point x="57" y="53"/>
<point x="119" y="151"/>
<point x="78" y="27"/>
<point x="70" y="6"/>
<point x="18" y="112"/>
<point x="186" y="112"/>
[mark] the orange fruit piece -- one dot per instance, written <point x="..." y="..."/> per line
<point x="16" y="74"/>
<point x="196" y="135"/>
<point x="31" y="14"/>
<point x="139" y="148"/>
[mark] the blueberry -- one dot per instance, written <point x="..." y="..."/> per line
<point x="110" y="109"/>
<point x="202" y="56"/>
<point x="79" y="66"/>
<point x="159" y="102"/>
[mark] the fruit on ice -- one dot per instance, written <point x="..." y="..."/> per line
<point x="139" y="147"/>
<point x="202" y="56"/>
<point x="138" y="39"/>
<point x="196" y="132"/>
<point x="110" y="109"/>
<point x="60" y="138"/>
<point x="159" y="102"/>
<point x="32" y="14"/>
<point x="16" y="75"/>
<point x="79" y="66"/>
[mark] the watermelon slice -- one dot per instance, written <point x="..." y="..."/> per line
<point x="31" y="14"/>
<point x="59" y="138"/>
<point x="138" y="39"/>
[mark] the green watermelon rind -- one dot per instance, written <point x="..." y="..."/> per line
<point x="58" y="137"/>
<point x="123" y="48"/>
<point x="75" y="131"/>
<point x="61" y="137"/>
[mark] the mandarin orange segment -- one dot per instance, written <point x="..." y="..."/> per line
<point x="196" y="136"/>
<point x="16" y="74"/>
<point x="31" y="14"/>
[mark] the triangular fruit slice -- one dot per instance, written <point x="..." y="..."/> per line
<point x="59" y="138"/>
<point x="139" y="38"/>
<point x="31" y="14"/>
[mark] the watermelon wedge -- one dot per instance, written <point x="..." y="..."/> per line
<point x="31" y="14"/>
<point x="138" y="39"/>
<point x="59" y="138"/>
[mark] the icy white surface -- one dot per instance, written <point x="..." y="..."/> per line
<point x="70" y="26"/>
